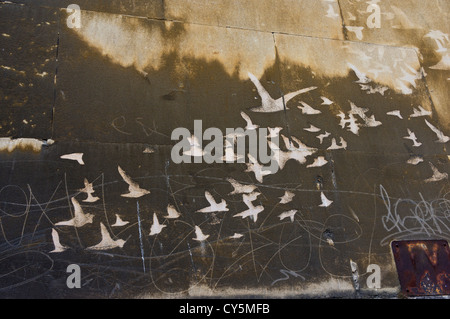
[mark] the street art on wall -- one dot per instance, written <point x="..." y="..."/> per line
<point x="190" y="159"/>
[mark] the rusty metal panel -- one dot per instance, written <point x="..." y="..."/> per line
<point x="423" y="267"/>
<point x="90" y="175"/>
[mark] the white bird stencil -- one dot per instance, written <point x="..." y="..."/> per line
<point x="74" y="157"/>
<point x="119" y="222"/>
<point x="371" y="122"/>
<point x="58" y="247"/>
<point x="351" y="17"/>
<point x="230" y="156"/>
<point x="362" y="78"/>
<point x="80" y="218"/>
<point x="322" y="136"/>
<point x="409" y="78"/>
<point x="439" y="37"/>
<point x="395" y="113"/>
<point x="289" y="214"/>
<point x="415" y="160"/>
<point x="250" y="125"/>
<point x="437" y="176"/>
<point x="134" y="190"/>
<point x="334" y="145"/>
<point x="156" y="226"/>
<point x="172" y="213"/>
<point x="331" y="13"/>
<point x="257" y="169"/>
<point x="148" y="150"/>
<point x="213" y="205"/>
<point x="353" y="124"/>
<point x="440" y="135"/>
<point x="199" y="236"/>
<point x="318" y="162"/>
<point x="249" y="198"/>
<point x="252" y="211"/>
<point x="361" y="112"/>
<point x="274" y="132"/>
<point x="312" y="129"/>
<point x="89" y="190"/>
<point x="420" y="111"/>
<point x="344" y="121"/>
<point x="196" y="149"/>
<point x="307" y="109"/>
<point x="360" y="54"/>
<point x="325" y="201"/>
<point x="400" y="85"/>
<point x="107" y="242"/>
<point x="326" y="101"/>
<point x="234" y="136"/>
<point x="372" y="90"/>
<point x="239" y="188"/>
<point x="356" y="30"/>
<point x="280" y="156"/>
<point x="412" y="136"/>
<point x="236" y="236"/>
<point x="287" y="197"/>
<point x="300" y="152"/>
<point x="268" y="103"/>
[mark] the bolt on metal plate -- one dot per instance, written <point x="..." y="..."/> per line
<point x="423" y="267"/>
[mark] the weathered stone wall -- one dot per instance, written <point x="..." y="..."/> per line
<point x="88" y="110"/>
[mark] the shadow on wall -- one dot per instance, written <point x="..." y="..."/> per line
<point x="317" y="215"/>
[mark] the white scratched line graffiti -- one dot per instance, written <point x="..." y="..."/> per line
<point x="287" y="274"/>
<point x="263" y="248"/>
<point x="140" y="236"/>
<point x="408" y="217"/>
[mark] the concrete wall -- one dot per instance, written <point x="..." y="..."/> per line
<point x="88" y="110"/>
